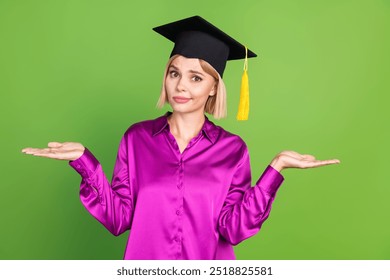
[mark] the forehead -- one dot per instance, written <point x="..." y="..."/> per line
<point x="186" y="63"/>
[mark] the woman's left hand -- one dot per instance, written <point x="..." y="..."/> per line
<point x="291" y="159"/>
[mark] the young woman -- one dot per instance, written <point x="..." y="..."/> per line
<point x="181" y="184"/>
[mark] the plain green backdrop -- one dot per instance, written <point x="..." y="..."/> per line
<point x="85" y="71"/>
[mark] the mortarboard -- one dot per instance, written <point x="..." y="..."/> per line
<point x="194" y="37"/>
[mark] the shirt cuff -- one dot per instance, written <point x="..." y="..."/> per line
<point x="85" y="165"/>
<point x="270" y="180"/>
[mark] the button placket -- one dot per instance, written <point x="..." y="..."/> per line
<point x="181" y="174"/>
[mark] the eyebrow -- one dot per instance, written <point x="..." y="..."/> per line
<point x="191" y="71"/>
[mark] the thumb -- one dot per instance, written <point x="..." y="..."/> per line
<point x="54" y="144"/>
<point x="309" y="157"/>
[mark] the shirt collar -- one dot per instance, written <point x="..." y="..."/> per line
<point x="209" y="129"/>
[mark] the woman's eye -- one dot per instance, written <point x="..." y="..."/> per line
<point x="173" y="74"/>
<point x="196" y="79"/>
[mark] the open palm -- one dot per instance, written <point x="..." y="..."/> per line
<point x="56" y="150"/>
<point x="291" y="159"/>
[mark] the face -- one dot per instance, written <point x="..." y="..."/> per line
<point x="188" y="86"/>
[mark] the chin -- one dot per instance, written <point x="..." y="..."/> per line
<point x="185" y="108"/>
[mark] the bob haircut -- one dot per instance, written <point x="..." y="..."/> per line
<point x="216" y="104"/>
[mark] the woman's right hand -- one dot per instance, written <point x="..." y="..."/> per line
<point x="56" y="150"/>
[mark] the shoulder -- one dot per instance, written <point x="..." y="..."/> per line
<point x="146" y="127"/>
<point x="225" y="134"/>
<point x="233" y="145"/>
<point x="228" y="140"/>
<point x="218" y="133"/>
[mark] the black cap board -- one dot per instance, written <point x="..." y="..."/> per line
<point x="194" y="37"/>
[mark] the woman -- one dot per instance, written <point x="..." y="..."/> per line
<point x="181" y="184"/>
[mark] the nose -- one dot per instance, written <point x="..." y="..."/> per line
<point x="180" y="86"/>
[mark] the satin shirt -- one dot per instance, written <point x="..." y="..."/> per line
<point x="195" y="205"/>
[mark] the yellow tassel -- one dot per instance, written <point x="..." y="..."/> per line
<point x="243" y="107"/>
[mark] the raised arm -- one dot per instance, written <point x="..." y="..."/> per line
<point x="110" y="204"/>
<point x="246" y="208"/>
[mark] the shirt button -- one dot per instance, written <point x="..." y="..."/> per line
<point x="178" y="212"/>
<point x="179" y="186"/>
<point x="78" y="166"/>
<point x="177" y="239"/>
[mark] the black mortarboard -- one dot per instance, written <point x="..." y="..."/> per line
<point x="194" y="37"/>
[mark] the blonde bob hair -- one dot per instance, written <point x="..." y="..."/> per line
<point x="216" y="104"/>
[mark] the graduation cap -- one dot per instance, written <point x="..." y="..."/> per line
<point x="194" y="37"/>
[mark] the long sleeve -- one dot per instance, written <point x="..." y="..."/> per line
<point x="110" y="204"/>
<point x="245" y="207"/>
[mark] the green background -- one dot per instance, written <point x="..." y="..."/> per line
<point x="84" y="71"/>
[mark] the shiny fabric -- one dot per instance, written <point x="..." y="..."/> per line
<point x="192" y="205"/>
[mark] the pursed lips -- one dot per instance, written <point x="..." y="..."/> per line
<point x="179" y="99"/>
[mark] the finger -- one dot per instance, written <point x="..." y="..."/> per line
<point x="319" y="163"/>
<point x="30" y="150"/>
<point x="48" y="155"/>
<point x="332" y="161"/>
<point x="57" y="155"/>
<point x="308" y="157"/>
<point x="293" y="154"/>
<point x="54" y="144"/>
<point x="25" y="149"/>
<point x="328" y="161"/>
<point x="33" y="151"/>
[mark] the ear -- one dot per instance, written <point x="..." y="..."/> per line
<point x="213" y="91"/>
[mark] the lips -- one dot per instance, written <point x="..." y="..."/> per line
<point x="181" y="100"/>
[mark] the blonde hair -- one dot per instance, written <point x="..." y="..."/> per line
<point x="216" y="104"/>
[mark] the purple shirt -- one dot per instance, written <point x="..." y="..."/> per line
<point x="191" y="205"/>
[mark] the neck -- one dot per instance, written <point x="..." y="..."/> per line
<point x="185" y="126"/>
